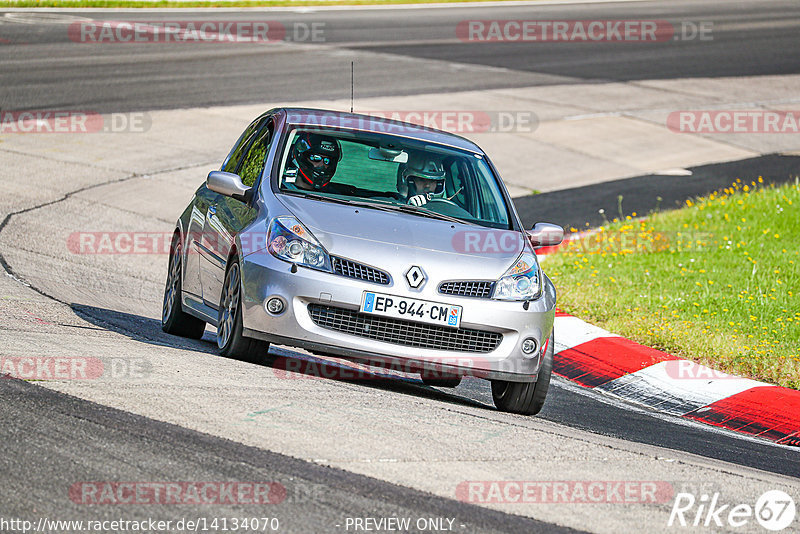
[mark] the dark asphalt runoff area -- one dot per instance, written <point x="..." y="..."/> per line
<point x="653" y="192"/>
<point x="42" y="68"/>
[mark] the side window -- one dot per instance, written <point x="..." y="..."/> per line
<point x="235" y="156"/>
<point x="253" y="162"/>
<point x="457" y="188"/>
<point x="489" y="201"/>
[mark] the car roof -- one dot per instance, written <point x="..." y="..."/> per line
<point x="370" y="123"/>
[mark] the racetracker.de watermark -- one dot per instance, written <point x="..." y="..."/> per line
<point x="582" y="31"/>
<point x="564" y="491"/>
<point x="630" y="241"/>
<point x="142" y="243"/>
<point x="688" y="370"/>
<point x="408" y="120"/>
<point x="73" y="367"/>
<point x="197" y="31"/>
<point x="297" y="368"/>
<point x="489" y="242"/>
<point x="734" y="122"/>
<point x="50" y="368"/>
<point x="177" y="492"/>
<point x="465" y="121"/>
<point x="72" y="122"/>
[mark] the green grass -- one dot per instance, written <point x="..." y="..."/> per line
<point x="716" y="282"/>
<point x="215" y="3"/>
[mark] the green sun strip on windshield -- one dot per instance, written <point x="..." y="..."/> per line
<point x="357" y="169"/>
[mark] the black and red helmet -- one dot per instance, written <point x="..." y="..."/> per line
<point x="316" y="157"/>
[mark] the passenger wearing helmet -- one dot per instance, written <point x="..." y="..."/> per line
<point x="424" y="180"/>
<point x="314" y="158"/>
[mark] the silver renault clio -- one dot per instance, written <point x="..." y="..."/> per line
<point x="369" y="239"/>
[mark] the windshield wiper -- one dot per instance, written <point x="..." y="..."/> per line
<point x="381" y="205"/>
<point x="407" y="208"/>
<point x="337" y="200"/>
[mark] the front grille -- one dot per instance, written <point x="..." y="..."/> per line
<point x="477" y="289"/>
<point x="359" y="271"/>
<point x="406" y="333"/>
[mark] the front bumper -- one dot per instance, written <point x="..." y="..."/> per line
<point x="265" y="277"/>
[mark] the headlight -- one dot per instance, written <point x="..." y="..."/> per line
<point x="290" y="241"/>
<point x="523" y="281"/>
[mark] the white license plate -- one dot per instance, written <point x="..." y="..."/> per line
<point x="421" y="311"/>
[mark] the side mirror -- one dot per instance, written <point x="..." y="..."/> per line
<point x="228" y="184"/>
<point x="546" y="235"/>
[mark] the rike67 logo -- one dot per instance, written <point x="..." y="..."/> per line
<point x="774" y="510"/>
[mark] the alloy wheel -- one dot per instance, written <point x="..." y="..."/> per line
<point x="229" y="308"/>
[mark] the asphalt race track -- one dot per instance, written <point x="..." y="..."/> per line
<point x="40" y="72"/>
<point x="67" y="428"/>
<point x="376" y="446"/>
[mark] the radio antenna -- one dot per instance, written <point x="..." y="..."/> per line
<point x="352" y="83"/>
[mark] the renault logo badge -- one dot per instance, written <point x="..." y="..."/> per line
<point x="415" y="277"/>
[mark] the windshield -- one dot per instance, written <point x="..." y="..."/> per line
<point x="389" y="172"/>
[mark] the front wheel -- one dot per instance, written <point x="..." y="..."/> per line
<point x="526" y="398"/>
<point x="231" y="342"/>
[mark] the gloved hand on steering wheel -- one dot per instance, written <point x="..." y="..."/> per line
<point x="425" y="181"/>
<point x="418" y="200"/>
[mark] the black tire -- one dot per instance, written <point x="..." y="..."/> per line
<point x="526" y="398"/>
<point x="231" y="342"/>
<point x="173" y="319"/>
<point x="439" y="380"/>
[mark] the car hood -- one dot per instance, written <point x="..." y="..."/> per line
<point x="394" y="241"/>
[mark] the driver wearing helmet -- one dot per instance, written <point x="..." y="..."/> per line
<point x="314" y="158"/>
<point x="424" y="180"/>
